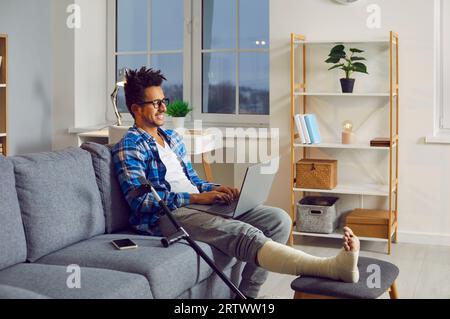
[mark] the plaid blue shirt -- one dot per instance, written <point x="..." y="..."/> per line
<point x="136" y="156"/>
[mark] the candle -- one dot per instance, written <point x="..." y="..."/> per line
<point x="348" y="137"/>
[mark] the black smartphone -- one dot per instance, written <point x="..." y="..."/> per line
<point x="123" y="244"/>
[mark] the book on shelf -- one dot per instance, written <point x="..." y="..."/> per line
<point x="302" y="129"/>
<point x="298" y="124"/>
<point x="313" y="128"/>
<point x="308" y="128"/>
<point x="381" y="142"/>
<point x="305" y="129"/>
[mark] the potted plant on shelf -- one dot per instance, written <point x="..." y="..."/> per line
<point x="347" y="63"/>
<point x="178" y="111"/>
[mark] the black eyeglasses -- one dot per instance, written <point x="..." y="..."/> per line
<point x="156" y="103"/>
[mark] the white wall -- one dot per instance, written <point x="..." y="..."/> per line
<point x="27" y="24"/>
<point x="79" y="69"/>
<point x="90" y="64"/>
<point x="424" y="190"/>
<point x="63" y="45"/>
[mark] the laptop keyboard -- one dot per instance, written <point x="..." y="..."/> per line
<point x="223" y="208"/>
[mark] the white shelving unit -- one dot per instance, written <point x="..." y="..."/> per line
<point x="306" y="90"/>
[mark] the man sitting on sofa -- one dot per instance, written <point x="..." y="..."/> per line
<point x="257" y="238"/>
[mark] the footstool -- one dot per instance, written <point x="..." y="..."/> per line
<point x="320" y="288"/>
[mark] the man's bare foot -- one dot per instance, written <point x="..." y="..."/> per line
<point x="346" y="261"/>
<point x="351" y="242"/>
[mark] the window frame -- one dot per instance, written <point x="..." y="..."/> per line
<point x="197" y="73"/>
<point x="192" y="68"/>
<point x="442" y="106"/>
<point x="112" y="53"/>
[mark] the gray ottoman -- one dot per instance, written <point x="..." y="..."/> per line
<point x="320" y="288"/>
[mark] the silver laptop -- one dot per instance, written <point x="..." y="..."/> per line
<point x="254" y="192"/>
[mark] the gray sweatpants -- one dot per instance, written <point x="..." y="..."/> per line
<point x="240" y="238"/>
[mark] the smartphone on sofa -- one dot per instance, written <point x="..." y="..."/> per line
<point x="123" y="244"/>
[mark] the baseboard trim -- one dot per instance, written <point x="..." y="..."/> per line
<point x="424" y="238"/>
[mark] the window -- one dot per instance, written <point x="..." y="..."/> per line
<point x="214" y="53"/>
<point x="233" y="53"/>
<point x="231" y="60"/>
<point x="151" y="33"/>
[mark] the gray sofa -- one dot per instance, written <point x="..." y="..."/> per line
<point x="59" y="209"/>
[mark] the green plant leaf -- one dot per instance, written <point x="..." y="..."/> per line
<point x="178" y="109"/>
<point x="336" y="66"/>
<point x="360" y="67"/>
<point x="338" y="55"/>
<point x="347" y="68"/>
<point x="356" y="50"/>
<point x="337" y="48"/>
<point x="333" y="60"/>
<point x="357" y="58"/>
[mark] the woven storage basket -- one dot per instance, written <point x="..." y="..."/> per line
<point x="316" y="174"/>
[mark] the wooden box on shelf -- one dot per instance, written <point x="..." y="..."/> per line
<point x="369" y="223"/>
<point x="316" y="174"/>
<point x="381" y="142"/>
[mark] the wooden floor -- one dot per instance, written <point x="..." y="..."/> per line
<point x="424" y="269"/>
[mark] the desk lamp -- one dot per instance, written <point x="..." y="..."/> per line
<point x="115" y="93"/>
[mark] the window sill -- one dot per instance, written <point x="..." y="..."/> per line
<point x="189" y="125"/>
<point x="437" y="139"/>
<point x="84" y="129"/>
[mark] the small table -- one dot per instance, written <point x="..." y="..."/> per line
<point x="321" y="288"/>
<point x="98" y="136"/>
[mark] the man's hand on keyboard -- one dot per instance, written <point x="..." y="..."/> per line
<point x="231" y="191"/>
<point x="209" y="198"/>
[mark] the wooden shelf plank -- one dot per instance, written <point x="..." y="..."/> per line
<point x="338" y="145"/>
<point x="355" y="41"/>
<point x="337" y="94"/>
<point x="2" y="85"/>
<point x="3" y="135"/>
<point x="352" y="189"/>
<point x="336" y="235"/>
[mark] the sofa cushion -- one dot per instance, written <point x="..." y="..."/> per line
<point x="116" y="209"/>
<point x="13" y="249"/>
<point x="9" y="292"/>
<point x="59" y="200"/>
<point x="170" y="271"/>
<point x="51" y="281"/>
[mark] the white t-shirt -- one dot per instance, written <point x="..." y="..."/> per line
<point x="175" y="175"/>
